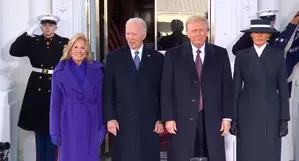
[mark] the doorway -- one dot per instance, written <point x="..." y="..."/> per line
<point x="109" y="17"/>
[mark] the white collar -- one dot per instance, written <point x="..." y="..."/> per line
<point x="259" y="50"/>
<point x="139" y="50"/>
<point x="202" y="49"/>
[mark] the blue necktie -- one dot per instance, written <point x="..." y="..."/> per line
<point x="136" y="59"/>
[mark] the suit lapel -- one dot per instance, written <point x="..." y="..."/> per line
<point x="188" y="61"/>
<point x="146" y="55"/>
<point x="256" y="60"/>
<point x="69" y="77"/>
<point x="128" y="59"/>
<point x="208" y="63"/>
<point x="125" y="58"/>
<point x="265" y="53"/>
<point x="91" y="76"/>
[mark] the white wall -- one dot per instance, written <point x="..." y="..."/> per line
<point x="72" y="14"/>
<point x="11" y="26"/>
<point x="287" y="10"/>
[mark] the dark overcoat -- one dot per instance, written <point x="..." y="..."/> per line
<point x="43" y="54"/>
<point x="131" y="97"/>
<point x="261" y="104"/>
<point x="181" y="94"/>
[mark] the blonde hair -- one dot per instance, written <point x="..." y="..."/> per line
<point x="197" y="19"/>
<point x="67" y="48"/>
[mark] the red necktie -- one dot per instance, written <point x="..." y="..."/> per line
<point x="198" y="63"/>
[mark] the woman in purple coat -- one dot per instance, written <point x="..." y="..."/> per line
<point x="76" y="125"/>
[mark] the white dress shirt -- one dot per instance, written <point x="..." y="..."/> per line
<point x="202" y="56"/>
<point x="139" y="50"/>
<point x="259" y="50"/>
<point x="202" y="52"/>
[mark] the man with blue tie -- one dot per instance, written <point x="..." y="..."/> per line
<point x="131" y="97"/>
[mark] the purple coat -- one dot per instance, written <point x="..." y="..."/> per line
<point x="76" y="112"/>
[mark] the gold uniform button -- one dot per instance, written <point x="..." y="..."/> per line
<point x="39" y="89"/>
<point x="49" y="91"/>
<point x="47" y="47"/>
<point x="40" y="77"/>
<point x="50" y="78"/>
<point x="41" y="65"/>
<point x="51" y="67"/>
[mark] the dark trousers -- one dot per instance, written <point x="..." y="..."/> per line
<point x="201" y="149"/>
<point x="45" y="149"/>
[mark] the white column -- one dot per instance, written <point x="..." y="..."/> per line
<point x="265" y="5"/>
<point x="10" y="95"/>
<point x="72" y="14"/>
<point x="39" y="7"/>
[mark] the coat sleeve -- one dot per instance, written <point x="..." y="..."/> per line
<point x="55" y="106"/>
<point x="21" y="46"/>
<point x="281" y="39"/>
<point x="283" y="90"/>
<point x="237" y="86"/>
<point x="159" y="86"/>
<point x="102" y="127"/>
<point x="100" y="101"/>
<point x="227" y="84"/>
<point x="108" y="95"/>
<point x="167" y="89"/>
<point x="244" y="42"/>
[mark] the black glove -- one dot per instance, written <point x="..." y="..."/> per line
<point x="283" y="129"/>
<point x="234" y="129"/>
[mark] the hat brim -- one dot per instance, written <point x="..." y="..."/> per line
<point x="48" y="17"/>
<point x="265" y="30"/>
<point x="48" y="21"/>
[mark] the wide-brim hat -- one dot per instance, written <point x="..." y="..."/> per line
<point x="260" y="26"/>
<point x="48" y="18"/>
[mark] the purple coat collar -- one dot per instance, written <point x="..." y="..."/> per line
<point x="64" y="73"/>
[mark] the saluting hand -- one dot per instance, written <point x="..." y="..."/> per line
<point x="159" y="127"/>
<point x="171" y="127"/>
<point x="295" y="19"/>
<point x="112" y="127"/>
<point x="225" y="126"/>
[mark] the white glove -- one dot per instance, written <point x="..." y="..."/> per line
<point x="31" y="30"/>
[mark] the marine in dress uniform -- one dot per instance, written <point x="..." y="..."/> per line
<point x="44" y="52"/>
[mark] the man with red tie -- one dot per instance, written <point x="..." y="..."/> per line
<point x="196" y="96"/>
